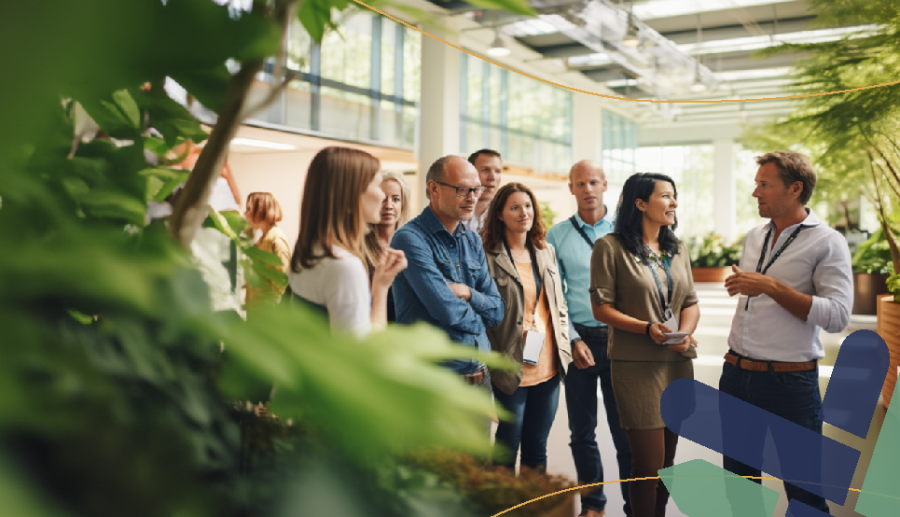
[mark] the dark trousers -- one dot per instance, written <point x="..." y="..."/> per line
<point x="793" y="396"/>
<point x="533" y="409"/>
<point x="581" y="402"/>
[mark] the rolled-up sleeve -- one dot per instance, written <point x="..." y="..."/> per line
<point x="603" y="273"/>
<point x="833" y="282"/>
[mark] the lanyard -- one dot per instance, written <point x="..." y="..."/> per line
<point x="666" y="304"/>
<point x="765" y="248"/>
<point x="534" y="271"/>
<point x="581" y="231"/>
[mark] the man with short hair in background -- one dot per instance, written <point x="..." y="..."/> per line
<point x="489" y="166"/>
<point x="574" y="242"/>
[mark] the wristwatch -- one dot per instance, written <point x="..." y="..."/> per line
<point x="649" y="324"/>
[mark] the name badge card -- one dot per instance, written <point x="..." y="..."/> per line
<point x="534" y="343"/>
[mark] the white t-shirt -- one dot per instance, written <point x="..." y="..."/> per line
<point x="341" y="285"/>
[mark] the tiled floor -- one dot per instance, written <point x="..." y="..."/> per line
<point x="717" y="310"/>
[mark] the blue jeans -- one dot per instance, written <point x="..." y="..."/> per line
<point x="581" y="401"/>
<point x="533" y="409"/>
<point x="794" y="396"/>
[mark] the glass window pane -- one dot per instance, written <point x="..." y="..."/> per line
<point x="388" y="47"/>
<point x="412" y="57"/>
<point x="345" y="114"/>
<point x="347" y="57"/>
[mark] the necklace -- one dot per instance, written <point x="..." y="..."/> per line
<point x="653" y="257"/>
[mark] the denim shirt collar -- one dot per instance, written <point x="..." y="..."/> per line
<point x="434" y="225"/>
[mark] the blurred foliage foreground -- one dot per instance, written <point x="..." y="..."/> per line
<point x="121" y="391"/>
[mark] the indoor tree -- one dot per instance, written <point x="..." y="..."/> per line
<point x="851" y="136"/>
<point x="115" y="396"/>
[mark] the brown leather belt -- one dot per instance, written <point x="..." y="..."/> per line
<point x="475" y="378"/>
<point x="763" y="366"/>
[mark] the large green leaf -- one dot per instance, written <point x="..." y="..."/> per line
<point x="315" y="15"/>
<point x="513" y="6"/>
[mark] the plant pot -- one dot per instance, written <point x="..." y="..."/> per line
<point x="710" y="274"/>
<point x="866" y="290"/>
<point x="889" y="330"/>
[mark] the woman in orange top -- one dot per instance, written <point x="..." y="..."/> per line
<point x="535" y="329"/>
<point x="263" y="212"/>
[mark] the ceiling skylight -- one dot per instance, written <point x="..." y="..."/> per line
<point x="742" y="75"/>
<point x="533" y="27"/>
<point x="664" y="8"/>
<point x="760" y="42"/>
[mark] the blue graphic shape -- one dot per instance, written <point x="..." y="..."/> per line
<point x="856" y="383"/>
<point x="701" y="489"/>
<point x="797" y="509"/>
<point x="737" y="429"/>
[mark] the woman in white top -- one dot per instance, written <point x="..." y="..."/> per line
<point x="341" y="196"/>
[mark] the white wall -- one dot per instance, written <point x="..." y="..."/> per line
<point x="281" y="173"/>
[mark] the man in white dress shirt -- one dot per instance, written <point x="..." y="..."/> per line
<point x="489" y="166"/>
<point x="794" y="279"/>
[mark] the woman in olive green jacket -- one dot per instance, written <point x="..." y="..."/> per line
<point x="534" y="331"/>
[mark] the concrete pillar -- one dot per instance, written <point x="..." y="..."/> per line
<point x="725" y="189"/>
<point x="587" y="134"/>
<point x="439" y="106"/>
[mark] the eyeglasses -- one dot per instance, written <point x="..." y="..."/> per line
<point x="463" y="191"/>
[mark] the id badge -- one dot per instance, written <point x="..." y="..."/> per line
<point x="671" y="322"/>
<point x="534" y="343"/>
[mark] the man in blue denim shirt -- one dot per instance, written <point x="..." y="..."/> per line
<point x="447" y="283"/>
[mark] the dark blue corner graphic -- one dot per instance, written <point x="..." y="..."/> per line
<point x="737" y="429"/>
<point x="856" y="382"/>
<point x="797" y="509"/>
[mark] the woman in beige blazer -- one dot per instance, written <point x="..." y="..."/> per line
<point x="533" y="332"/>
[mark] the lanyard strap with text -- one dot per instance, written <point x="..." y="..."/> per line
<point x="765" y="248"/>
<point x="534" y="271"/>
<point x="666" y="304"/>
<point x="581" y="231"/>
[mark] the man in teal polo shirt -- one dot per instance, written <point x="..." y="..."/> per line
<point x="574" y="243"/>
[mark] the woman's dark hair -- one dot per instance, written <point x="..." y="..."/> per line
<point x="629" y="227"/>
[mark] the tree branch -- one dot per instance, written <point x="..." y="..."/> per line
<point x="190" y="210"/>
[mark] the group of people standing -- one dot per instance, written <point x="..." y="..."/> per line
<point x="602" y="298"/>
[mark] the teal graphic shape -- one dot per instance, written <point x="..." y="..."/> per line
<point x="880" y="495"/>
<point x="701" y="489"/>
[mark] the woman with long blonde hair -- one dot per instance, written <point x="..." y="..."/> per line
<point x="328" y="269"/>
<point x="393" y="215"/>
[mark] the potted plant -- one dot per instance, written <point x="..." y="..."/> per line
<point x="712" y="257"/>
<point x="871" y="268"/>
<point x="488" y="490"/>
<point x="852" y="137"/>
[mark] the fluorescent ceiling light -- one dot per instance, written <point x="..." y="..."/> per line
<point x="534" y="27"/>
<point x="249" y="142"/>
<point x="666" y="8"/>
<point x="597" y="59"/>
<point x="741" y="75"/>
<point x="759" y="42"/>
